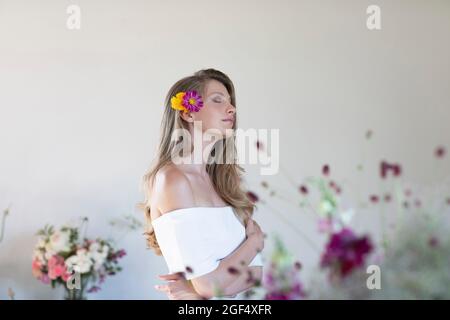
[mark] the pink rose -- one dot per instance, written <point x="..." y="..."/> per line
<point x="36" y="269"/>
<point x="56" y="267"/>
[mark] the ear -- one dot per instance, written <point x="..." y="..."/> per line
<point x="187" y="116"/>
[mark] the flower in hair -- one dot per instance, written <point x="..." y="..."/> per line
<point x="187" y="101"/>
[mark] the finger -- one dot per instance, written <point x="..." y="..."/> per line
<point x="171" y="276"/>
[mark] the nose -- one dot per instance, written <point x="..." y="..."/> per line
<point x="231" y="109"/>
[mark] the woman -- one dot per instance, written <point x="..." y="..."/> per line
<point x="199" y="217"/>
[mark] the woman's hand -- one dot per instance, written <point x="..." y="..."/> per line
<point x="178" y="288"/>
<point x="253" y="231"/>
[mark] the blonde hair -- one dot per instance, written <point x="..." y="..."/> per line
<point x="224" y="176"/>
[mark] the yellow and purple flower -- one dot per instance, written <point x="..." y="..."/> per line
<point x="189" y="101"/>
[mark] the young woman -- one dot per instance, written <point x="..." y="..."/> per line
<point x="199" y="217"/>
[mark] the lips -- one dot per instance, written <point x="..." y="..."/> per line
<point x="231" y="120"/>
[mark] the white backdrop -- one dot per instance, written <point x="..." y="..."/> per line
<point x="81" y="109"/>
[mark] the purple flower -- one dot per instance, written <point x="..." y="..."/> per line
<point x="345" y="252"/>
<point x="303" y="189"/>
<point x="439" y="152"/>
<point x="326" y="170"/>
<point x="374" y="198"/>
<point x="93" y="289"/>
<point x="252" y="196"/>
<point x="192" y="101"/>
<point x="385" y="167"/>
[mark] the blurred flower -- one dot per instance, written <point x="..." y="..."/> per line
<point x="281" y="280"/>
<point x="303" y="189"/>
<point x="59" y="242"/>
<point x="259" y="145"/>
<point x="94" y="289"/>
<point x="433" y="242"/>
<point x="385" y="167"/>
<point x="252" y="196"/>
<point x="36" y="269"/>
<point x="325" y="225"/>
<point x="440" y="152"/>
<point x="374" y="198"/>
<point x="345" y="252"/>
<point x="326" y="170"/>
<point x="57" y="268"/>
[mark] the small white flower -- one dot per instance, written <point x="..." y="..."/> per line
<point x="39" y="256"/>
<point x="49" y="252"/>
<point x="60" y="241"/>
<point x="95" y="246"/>
<point x="81" y="262"/>
<point x="41" y="243"/>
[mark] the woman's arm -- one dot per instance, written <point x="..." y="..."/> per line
<point x="245" y="280"/>
<point x="231" y="276"/>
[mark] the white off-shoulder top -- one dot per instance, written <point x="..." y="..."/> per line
<point x="194" y="240"/>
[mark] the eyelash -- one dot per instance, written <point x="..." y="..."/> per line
<point x="220" y="100"/>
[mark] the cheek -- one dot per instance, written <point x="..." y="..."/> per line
<point x="210" y="118"/>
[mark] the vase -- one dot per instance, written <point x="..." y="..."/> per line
<point x="77" y="293"/>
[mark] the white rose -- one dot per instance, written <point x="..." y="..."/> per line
<point x="81" y="262"/>
<point x="60" y="241"/>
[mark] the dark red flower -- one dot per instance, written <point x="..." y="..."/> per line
<point x="374" y="198"/>
<point x="440" y="152"/>
<point x="252" y="196"/>
<point x="408" y="192"/>
<point x="335" y="187"/>
<point x="345" y="252"/>
<point x="298" y="265"/>
<point x="326" y="170"/>
<point x="385" y="167"/>
<point x="433" y="242"/>
<point x="303" y="189"/>
<point x="387" y="197"/>
<point x="296" y="292"/>
<point x="259" y="145"/>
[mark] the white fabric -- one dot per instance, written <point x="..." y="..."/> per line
<point x="199" y="237"/>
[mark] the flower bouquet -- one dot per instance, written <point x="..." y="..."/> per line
<point x="79" y="265"/>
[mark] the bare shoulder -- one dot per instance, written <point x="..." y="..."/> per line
<point x="172" y="190"/>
